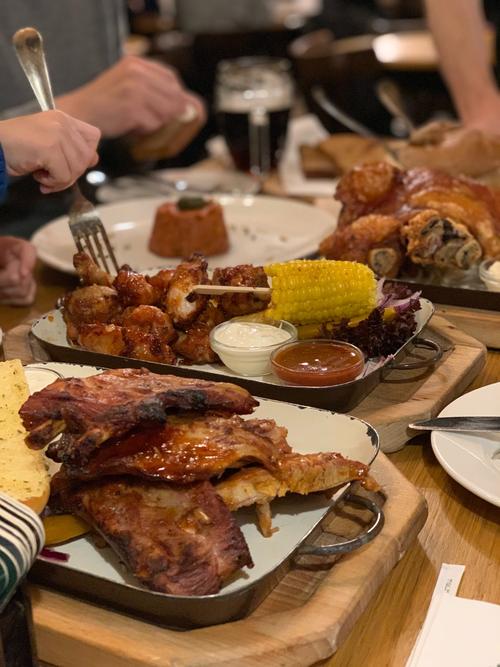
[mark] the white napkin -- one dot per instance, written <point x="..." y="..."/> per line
<point x="303" y="130"/>
<point x="457" y="632"/>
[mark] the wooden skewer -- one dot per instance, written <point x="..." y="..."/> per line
<point x="216" y="290"/>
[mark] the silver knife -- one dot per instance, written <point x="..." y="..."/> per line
<point x="458" y="424"/>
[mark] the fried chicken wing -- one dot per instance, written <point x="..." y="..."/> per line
<point x="182" y="541"/>
<point x="297" y="473"/>
<point x="127" y="398"/>
<point x="372" y="239"/>
<point x="194" y="343"/>
<point x="133" y="342"/>
<point x="95" y="303"/>
<point x="234" y="305"/>
<point x="187" y="449"/>
<point x="182" y="305"/>
<point x="133" y="289"/>
<point x="88" y="271"/>
<point x="149" y="319"/>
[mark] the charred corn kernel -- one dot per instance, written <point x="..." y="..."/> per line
<point x="60" y="528"/>
<point x="312" y="291"/>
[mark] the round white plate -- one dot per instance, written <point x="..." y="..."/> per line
<point x="189" y="180"/>
<point x="473" y="460"/>
<point x="261" y="230"/>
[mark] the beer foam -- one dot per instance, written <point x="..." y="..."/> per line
<point x="258" y="88"/>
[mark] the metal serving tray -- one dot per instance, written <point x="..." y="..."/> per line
<point x="97" y="575"/>
<point x="50" y="332"/>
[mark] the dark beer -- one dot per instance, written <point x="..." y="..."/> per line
<point x="235" y="129"/>
<point x="254" y="97"/>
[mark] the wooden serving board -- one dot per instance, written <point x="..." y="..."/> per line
<point x="312" y="610"/>
<point x="403" y="397"/>
<point x="304" y="619"/>
<point x="482" y="324"/>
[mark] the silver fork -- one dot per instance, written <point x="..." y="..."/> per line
<point x="84" y="222"/>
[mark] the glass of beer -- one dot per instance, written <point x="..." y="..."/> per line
<point x="253" y="101"/>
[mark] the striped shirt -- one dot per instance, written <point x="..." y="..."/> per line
<point x="21" y="539"/>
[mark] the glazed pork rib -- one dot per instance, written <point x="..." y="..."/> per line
<point x="297" y="473"/>
<point x="89" y="411"/>
<point x="185" y="449"/>
<point x="177" y="540"/>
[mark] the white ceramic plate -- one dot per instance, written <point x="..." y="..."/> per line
<point x="473" y="460"/>
<point x="261" y="230"/>
<point x="309" y="430"/>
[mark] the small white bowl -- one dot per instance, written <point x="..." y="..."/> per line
<point x="253" y="360"/>
<point x="492" y="282"/>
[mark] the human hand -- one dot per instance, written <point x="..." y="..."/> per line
<point x="51" y="145"/>
<point x="134" y="95"/>
<point x="485" y="116"/>
<point x="17" y="262"/>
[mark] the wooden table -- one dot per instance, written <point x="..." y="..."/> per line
<point x="461" y="528"/>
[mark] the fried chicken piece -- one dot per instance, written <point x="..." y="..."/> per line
<point x="194" y="344"/>
<point x="161" y="281"/>
<point x="132" y="342"/>
<point x="182" y="541"/>
<point x="127" y="397"/>
<point x="95" y="303"/>
<point x="149" y="319"/>
<point x="434" y="240"/>
<point x="297" y="473"/>
<point x="88" y="271"/>
<point x="186" y="449"/>
<point x="134" y="289"/>
<point x="181" y="304"/>
<point x="234" y="305"/>
<point x="372" y="239"/>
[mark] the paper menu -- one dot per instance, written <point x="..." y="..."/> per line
<point x="457" y="632"/>
<point x="464" y="633"/>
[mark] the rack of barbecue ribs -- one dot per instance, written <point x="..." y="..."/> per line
<point x="426" y="217"/>
<point x="157" y="465"/>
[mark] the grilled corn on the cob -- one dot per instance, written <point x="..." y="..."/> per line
<point x="312" y="291"/>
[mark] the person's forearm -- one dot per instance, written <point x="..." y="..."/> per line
<point x="459" y="31"/>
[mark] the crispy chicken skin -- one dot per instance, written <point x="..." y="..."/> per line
<point x="94" y="303"/>
<point x="177" y="540"/>
<point x="132" y="342"/>
<point x="187" y="449"/>
<point x="182" y="305"/>
<point x="134" y="290"/>
<point x="88" y="271"/>
<point x="372" y="239"/>
<point x="235" y="305"/>
<point x="297" y="473"/>
<point x="150" y="319"/>
<point x="194" y="343"/>
<point x="127" y="398"/>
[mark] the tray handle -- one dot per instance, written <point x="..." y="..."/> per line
<point x="425" y="343"/>
<point x="355" y="543"/>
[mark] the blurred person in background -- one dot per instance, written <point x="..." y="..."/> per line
<point x="92" y="80"/>
<point x="459" y="32"/>
<point x="56" y="149"/>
